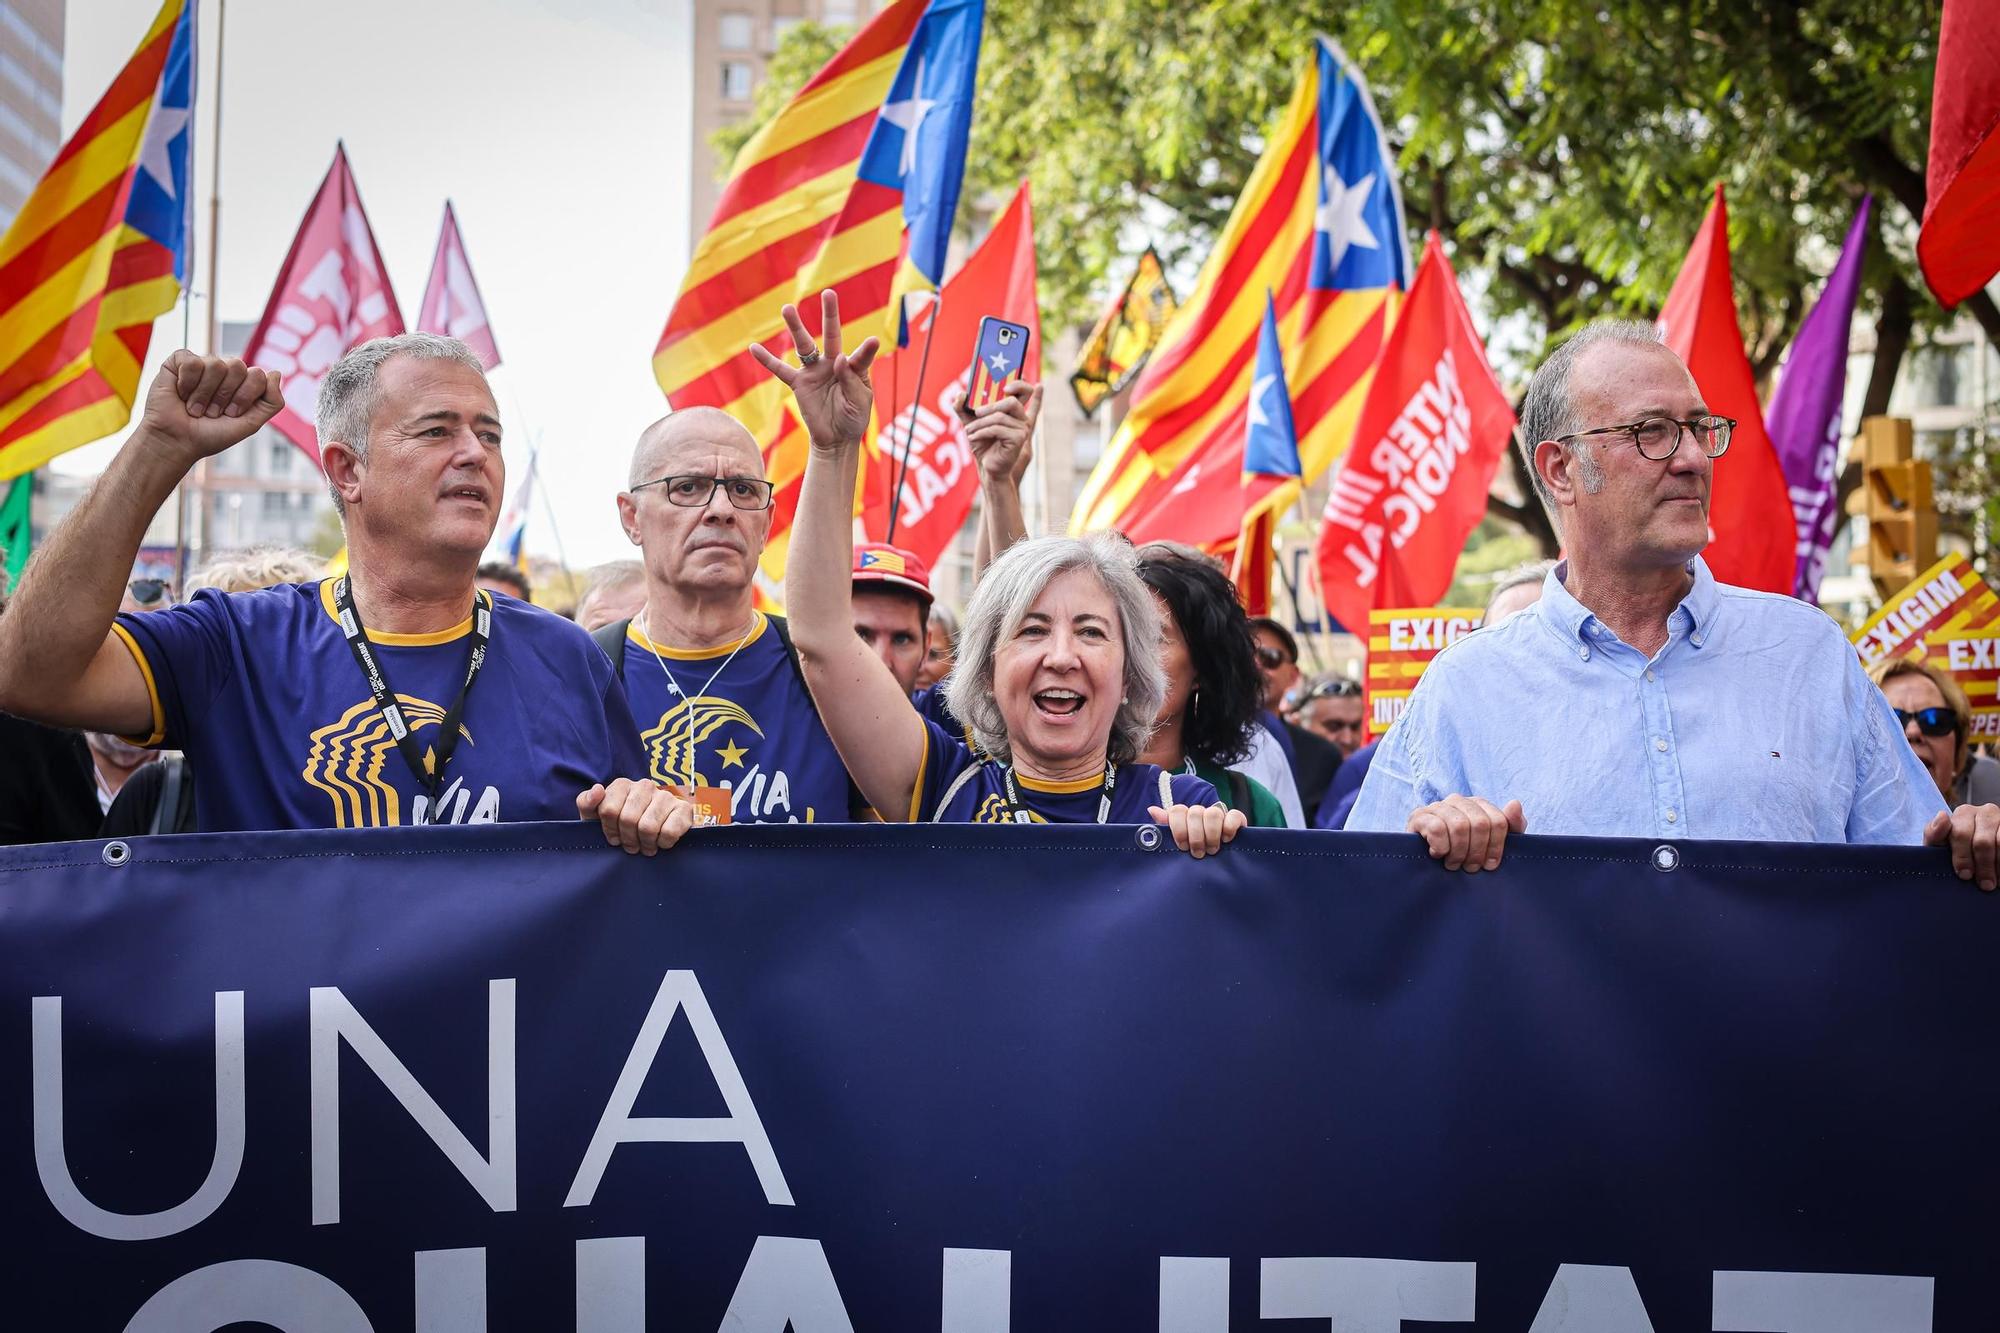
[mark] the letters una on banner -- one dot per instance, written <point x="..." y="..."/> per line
<point x="500" y="1078"/>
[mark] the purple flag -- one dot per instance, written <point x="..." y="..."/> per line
<point x="1804" y="418"/>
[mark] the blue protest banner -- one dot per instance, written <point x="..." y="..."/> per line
<point x="972" y="1080"/>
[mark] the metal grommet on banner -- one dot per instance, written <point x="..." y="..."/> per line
<point x="116" y="853"/>
<point x="1149" y="837"/>
<point x="1666" y="857"/>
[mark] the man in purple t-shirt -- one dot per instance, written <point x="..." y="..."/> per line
<point x="393" y="695"/>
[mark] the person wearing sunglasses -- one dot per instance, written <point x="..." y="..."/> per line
<point x="1332" y="709"/>
<point x="1937" y="720"/>
<point x="1641" y="697"/>
<point x="146" y="594"/>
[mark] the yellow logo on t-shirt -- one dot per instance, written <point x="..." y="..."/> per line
<point x="993" y="810"/>
<point x="347" y="761"/>
<point x="673" y="746"/>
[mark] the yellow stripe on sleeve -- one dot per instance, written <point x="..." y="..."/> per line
<point x="923" y="763"/>
<point x="152" y="688"/>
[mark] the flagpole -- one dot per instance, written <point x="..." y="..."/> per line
<point x="1312" y="642"/>
<point x="214" y="256"/>
<point x="916" y="406"/>
<point x="548" y="507"/>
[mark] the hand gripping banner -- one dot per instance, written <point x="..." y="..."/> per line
<point x="974" y="1080"/>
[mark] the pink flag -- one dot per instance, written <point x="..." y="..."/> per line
<point x="332" y="295"/>
<point x="451" y="299"/>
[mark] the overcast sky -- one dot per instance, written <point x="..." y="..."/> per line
<point x="560" y="133"/>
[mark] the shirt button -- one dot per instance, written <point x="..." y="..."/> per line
<point x="1584" y="653"/>
<point x="1695" y="639"/>
<point x="1660" y="744"/>
<point x="1672" y="817"/>
<point x="1649" y="673"/>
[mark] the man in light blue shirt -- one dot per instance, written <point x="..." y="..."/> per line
<point x="1639" y="697"/>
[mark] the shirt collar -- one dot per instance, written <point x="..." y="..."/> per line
<point x="1574" y="620"/>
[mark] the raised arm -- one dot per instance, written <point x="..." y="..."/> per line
<point x="879" y="736"/>
<point x="1002" y="438"/>
<point x="59" y="661"/>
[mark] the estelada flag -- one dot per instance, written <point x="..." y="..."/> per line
<point x="1753" y="538"/>
<point x="1270" y="481"/>
<point x="1959" y="245"/>
<point x="1403" y="500"/>
<point x="852" y="187"/>
<point x="332" y="295"/>
<point x="1125" y="334"/>
<point x="1319" y="224"/>
<point x="99" y="250"/>
<point x="452" y="304"/>
<point x="924" y="468"/>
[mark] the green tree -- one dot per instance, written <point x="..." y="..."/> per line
<point x="1565" y="148"/>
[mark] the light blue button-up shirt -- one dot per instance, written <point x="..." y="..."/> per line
<point x="1755" y="721"/>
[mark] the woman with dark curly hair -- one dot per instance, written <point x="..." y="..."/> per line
<point x="1214" y="691"/>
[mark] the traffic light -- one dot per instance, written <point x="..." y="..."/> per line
<point x="1902" y="517"/>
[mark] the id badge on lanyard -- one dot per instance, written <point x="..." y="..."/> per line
<point x="429" y="774"/>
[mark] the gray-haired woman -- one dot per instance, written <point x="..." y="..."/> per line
<point x="1057" y="680"/>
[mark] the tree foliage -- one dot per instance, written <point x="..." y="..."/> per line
<point x="1565" y="148"/>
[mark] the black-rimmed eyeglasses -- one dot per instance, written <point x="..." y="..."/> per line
<point x="693" y="492"/>
<point x="1658" y="437"/>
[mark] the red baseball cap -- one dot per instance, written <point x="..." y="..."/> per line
<point x="892" y="566"/>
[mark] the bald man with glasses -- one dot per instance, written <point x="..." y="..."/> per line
<point x="714" y="683"/>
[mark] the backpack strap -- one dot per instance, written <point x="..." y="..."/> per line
<point x="784" y="633"/>
<point x="965" y="775"/>
<point x="1239" y="791"/>
<point x="173" y="785"/>
<point x="611" y="638"/>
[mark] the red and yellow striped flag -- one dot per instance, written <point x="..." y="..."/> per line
<point x="802" y="211"/>
<point x="96" y="254"/>
<point x="1319" y="227"/>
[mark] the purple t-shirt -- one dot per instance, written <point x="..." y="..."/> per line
<point x="981" y="798"/>
<point x="263" y="693"/>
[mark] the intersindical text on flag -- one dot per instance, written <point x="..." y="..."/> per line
<point x="1382" y="490"/>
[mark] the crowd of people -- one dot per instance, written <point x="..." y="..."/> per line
<point x="1622" y="692"/>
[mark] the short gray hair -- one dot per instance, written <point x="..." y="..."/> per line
<point x="1001" y="602"/>
<point x="1548" y="409"/>
<point x="1535" y="571"/>
<point x="347" y="394"/>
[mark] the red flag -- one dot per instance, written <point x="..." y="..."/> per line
<point x="332" y="295"/>
<point x="939" y="477"/>
<point x="1250" y="570"/>
<point x="1413" y="485"/>
<point x="452" y="305"/>
<point x="1753" y="542"/>
<point x="1959" y="247"/>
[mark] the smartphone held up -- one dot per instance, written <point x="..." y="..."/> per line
<point x="998" y="358"/>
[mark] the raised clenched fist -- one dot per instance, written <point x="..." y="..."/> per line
<point x="200" y="405"/>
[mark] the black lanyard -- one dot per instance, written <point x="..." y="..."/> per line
<point x="1019" y="812"/>
<point x="429" y="776"/>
